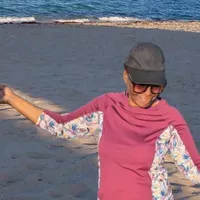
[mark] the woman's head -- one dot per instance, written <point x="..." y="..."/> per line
<point x="144" y="74"/>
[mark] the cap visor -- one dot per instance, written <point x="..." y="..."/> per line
<point x="147" y="77"/>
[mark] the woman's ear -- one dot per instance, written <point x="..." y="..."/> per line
<point x="125" y="76"/>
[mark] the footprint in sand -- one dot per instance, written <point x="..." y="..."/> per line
<point x="15" y="156"/>
<point x="35" y="165"/>
<point x="20" y="198"/>
<point x="80" y="190"/>
<point x="8" y="178"/>
<point x="39" y="155"/>
<point x="54" y="146"/>
<point x="56" y="193"/>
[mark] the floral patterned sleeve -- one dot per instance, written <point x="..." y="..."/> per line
<point x="77" y="128"/>
<point x="184" y="152"/>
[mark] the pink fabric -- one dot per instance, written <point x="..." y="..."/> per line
<point x="128" y="143"/>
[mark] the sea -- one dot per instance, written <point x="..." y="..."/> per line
<point x="21" y="11"/>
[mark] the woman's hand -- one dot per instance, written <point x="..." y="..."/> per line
<point x="5" y="94"/>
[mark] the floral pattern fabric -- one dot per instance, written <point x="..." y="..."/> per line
<point x="76" y="128"/>
<point x="182" y="158"/>
<point x="170" y="141"/>
<point x="161" y="189"/>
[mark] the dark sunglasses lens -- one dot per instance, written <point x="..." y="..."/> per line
<point x="139" y="88"/>
<point x="156" y="89"/>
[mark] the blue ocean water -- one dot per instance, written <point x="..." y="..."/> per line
<point x="95" y="9"/>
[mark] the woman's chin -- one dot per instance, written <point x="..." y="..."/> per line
<point x="145" y="105"/>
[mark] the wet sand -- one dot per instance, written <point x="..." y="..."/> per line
<point x="61" y="67"/>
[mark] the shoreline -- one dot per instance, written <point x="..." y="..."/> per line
<point x="173" y="25"/>
<point x="164" y="25"/>
<point x="187" y="26"/>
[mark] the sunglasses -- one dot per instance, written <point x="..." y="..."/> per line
<point x="141" y="88"/>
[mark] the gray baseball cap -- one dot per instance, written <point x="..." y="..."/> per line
<point x="146" y="64"/>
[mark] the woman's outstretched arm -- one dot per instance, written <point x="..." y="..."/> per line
<point x="84" y="121"/>
<point x="7" y="96"/>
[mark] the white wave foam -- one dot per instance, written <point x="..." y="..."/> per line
<point x="118" y="19"/>
<point x="100" y="19"/>
<point x="5" y="20"/>
<point x="114" y="19"/>
<point x="71" y="20"/>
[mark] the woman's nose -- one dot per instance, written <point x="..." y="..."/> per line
<point x="148" y="91"/>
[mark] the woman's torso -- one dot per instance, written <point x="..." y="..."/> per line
<point x="127" y="151"/>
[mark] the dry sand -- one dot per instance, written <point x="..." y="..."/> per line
<point x="189" y="26"/>
<point x="61" y="67"/>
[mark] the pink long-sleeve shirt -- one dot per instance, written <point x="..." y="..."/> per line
<point x="132" y="145"/>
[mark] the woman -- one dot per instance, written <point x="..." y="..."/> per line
<point x="137" y="128"/>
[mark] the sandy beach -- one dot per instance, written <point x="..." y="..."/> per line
<point x="188" y="26"/>
<point x="61" y="67"/>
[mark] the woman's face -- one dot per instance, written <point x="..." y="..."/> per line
<point x="143" y="100"/>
